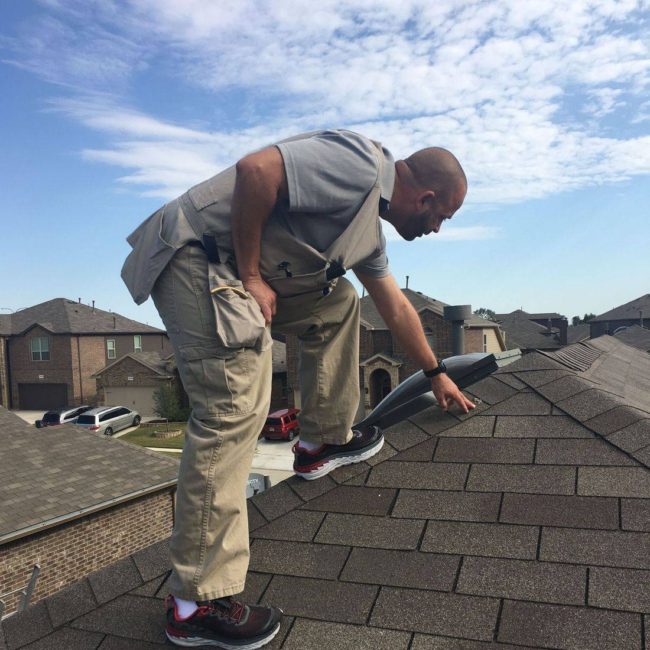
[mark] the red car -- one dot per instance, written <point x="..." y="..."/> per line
<point x="282" y="425"/>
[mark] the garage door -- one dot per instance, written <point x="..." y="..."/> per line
<point x="139" y="398"/>
<point x="42" y="396"/>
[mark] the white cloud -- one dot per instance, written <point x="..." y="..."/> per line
<point x="449" y="233"/>
<point x="504" y="84"/>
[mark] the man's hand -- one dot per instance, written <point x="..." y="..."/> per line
<point x="446" y="392"/>
<point x="264" y="296"/>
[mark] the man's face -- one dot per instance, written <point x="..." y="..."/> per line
<point x="427" y="214"/>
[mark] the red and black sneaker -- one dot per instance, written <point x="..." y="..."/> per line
<point x="314" y="464"/>
<point x="223" y="623"/>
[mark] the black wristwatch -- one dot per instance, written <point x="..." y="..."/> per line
<point x="436" y="371"/>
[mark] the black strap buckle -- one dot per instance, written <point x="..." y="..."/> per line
<point x="210" y="245"/>
<point x="334" y="270"/>
<point x="286" y="267"/>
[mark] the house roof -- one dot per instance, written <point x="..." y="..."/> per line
<point x="628" y="311"/>
<point x="62" y="316"/>
<point x="577" y="333"/>
<point x="65" y="471"/>
<point x="521" y="332"/>
<point x="159" y="363"/>
<point x="5" y="324"/>
<point x="636" y="336"/>
<point x="525" y="524"/>
<point x="371" y="318"/>
<point x="541" y="316"/>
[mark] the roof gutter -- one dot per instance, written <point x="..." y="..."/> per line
<point x="77" y="514"/>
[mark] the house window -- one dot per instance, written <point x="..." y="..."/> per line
<point x="110" y="348"/>
<point x="40" y="348"/>
<point x="137" y="343"/>
<point x="485" y="343"/>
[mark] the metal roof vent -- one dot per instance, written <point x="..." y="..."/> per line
<point x="458" y="314"/>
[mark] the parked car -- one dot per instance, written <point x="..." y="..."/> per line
<point x="282" y="425"/>
<point x="109" y="419"/>
<point x="66" y="415"/>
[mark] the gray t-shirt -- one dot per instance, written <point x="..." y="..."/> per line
<point x="329" y="175"/>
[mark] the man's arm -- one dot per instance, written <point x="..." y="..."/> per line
<point x="405" y="325"/>
<point x="261" y="183"/>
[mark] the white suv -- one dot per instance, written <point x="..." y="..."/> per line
<point x="109" y="419"/>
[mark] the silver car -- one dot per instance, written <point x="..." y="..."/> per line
<point x="109" y="419"/>
<point x="66" y="415"/>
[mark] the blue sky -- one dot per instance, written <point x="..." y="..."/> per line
<point x="111" y="107"/>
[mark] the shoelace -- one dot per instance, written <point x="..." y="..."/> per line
<point x="235" y="612"/>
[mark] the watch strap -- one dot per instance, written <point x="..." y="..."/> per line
<point x="434" y="372"/>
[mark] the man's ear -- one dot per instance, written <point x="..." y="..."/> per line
<point x="426" y="199"/>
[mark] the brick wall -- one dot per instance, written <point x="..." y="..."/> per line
<point x="58" y="370"/>
<point x="474" y="340"/>
<point x="118" y="375"/>
<point x="71" y="551"/>
<point x="124" y="344"/>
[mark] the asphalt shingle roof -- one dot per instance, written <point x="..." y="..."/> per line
<point x="628" y="311"/>
<point x="57" y="464"/>
<point x="636" y="336"/>
<point x="62" y="316"/>
<point x="525" y="524"/>
<point x="371" y="317"/>
<point x="521" y="332"/>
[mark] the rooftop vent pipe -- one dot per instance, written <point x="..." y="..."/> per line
<point x="458" y="314"/>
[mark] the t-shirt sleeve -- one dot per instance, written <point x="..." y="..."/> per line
<point x="329" y="171"/>
<point x="376" y="265"/>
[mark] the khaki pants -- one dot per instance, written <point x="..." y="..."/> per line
<point x="229" y="391"/>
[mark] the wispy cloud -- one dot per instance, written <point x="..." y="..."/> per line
<point x="450" y="233"/>
<point x="517" y="90"/>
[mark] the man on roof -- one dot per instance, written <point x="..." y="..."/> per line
<point x="265" y="244"/>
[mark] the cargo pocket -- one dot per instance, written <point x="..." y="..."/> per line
<point x="217" y="380"/>
<point x="238" y="317"/>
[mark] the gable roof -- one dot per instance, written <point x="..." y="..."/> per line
<point x="628" y="311"/>
<point x="523" y="524"/>
<point x="521" y="332"/>
<point x="380" y="356"/>
<point x="56" y="466"/>
<point x="62" y="316"/>
<point x="160" y="364"/>
<point x="636" y="336"/>
<point x="371" y="318"/>
<point x="524" y="314"/>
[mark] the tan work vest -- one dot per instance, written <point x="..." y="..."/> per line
<point x="289" y="265"/>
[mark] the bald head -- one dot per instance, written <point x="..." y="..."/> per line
<point x="437" y="169"/>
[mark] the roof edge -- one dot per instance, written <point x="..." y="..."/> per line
<point x="98" y="507"/>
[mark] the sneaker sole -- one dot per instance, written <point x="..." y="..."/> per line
<point x="332" y="464"/>
<point x="198" y="641"/>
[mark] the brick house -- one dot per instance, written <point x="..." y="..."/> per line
<point x="133" y="379"/>
<point x="383" y="364"/>
<point x="81" y="501"/>
<point x="51" y="351"/>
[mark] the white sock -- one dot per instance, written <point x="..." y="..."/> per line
<point x="185" y="608"/>
<point x="309" y="446"/>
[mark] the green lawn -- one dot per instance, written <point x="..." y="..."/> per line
<point x="144" y="437"/>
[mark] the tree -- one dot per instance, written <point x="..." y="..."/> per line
<point x="487" y="314"/>
<point x="167" y="404"/>
<point x="576" y="320"/>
